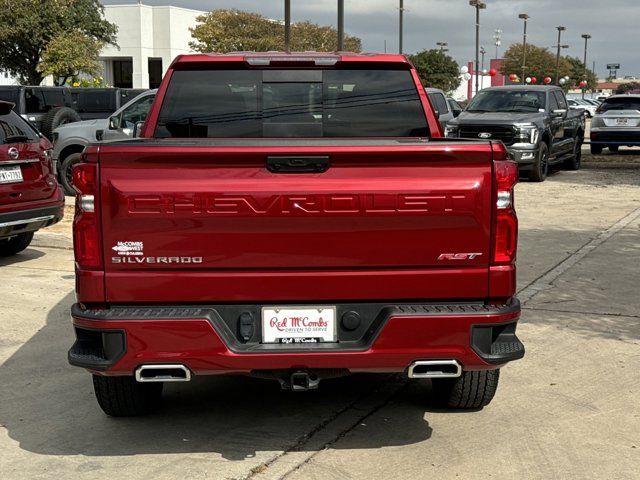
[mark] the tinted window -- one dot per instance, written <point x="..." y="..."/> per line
<point x="127" y="94"/>
<point x="95" y="101"/>
<point x="10" y="95"/>
<point x="560" y="98"/>
<point x="12" y="125"/>
<point x="40" y="100"/>
<point x="300" y="103"/>
<point x="524" y="101"/>
<point x="439" y="103"/>
<point x="136" y="112"/>
<point x="553" y="102"/>
<point x="620" y="103"/>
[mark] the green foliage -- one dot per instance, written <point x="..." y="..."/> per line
<point x="628" y="88"/>
<point x="542" y="63"/>
<point x="28" y="26"/>
<point x="577" y="73"/>
<point x="436" y="69"/>
<point x="69" y="54"/>
<point x="234" y="30"/>
<point x="94" y="82"/>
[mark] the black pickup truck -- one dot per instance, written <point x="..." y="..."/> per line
<point x="49" y="107"/>
<point x="534" y="122"/>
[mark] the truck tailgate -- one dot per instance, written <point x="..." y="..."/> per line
<point x="211" y="223"/>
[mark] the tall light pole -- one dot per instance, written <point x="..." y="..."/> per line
<point x="560" y="30"/>
<point x="287" y="25"/>
<point x="340" y="25"/>
<point x="400" y="26"/>
<point x="483" y="51"/>
<point x="525" y="17"/>
<point x="478" y="5"/>
<point x="586" y="37"/>
<point x="497" y="38"/>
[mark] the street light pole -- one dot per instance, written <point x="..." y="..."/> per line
<point x="497" y="40"/>
<point x="478" y="5"/>
<point x="483" y="51"/>
<point x="525" y="17"/>
<point x="400" y="26"/>
<point x="340" y="25"/>
<point x="287" y="26"/>
<point x="586" y="41"/>
<point x="560" y="30"/>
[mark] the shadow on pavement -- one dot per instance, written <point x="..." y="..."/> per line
<point x="24" y="256"/>
<point x="49" y="408"/>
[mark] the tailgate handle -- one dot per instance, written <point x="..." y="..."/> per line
<point x="298" y="164"/>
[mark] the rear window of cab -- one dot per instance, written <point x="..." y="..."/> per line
<point x="291" y="103"/>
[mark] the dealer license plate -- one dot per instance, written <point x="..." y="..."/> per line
<point x="298" y="324"/>
<point x="621" y="121"/>
<point x="10" y="174"/>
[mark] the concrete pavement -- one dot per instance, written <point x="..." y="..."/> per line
<point x="569" y="409"/>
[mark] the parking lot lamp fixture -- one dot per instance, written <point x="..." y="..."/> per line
<point x="586" y="37"/>
<point x="525" y="17"/>
<point x="560" y="30"/>
<point x="478" y="5"/>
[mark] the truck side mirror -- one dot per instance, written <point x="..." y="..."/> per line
<point x="114" y="123"/>
<point x="137" y="129"/>
<point x="561" y="112"/>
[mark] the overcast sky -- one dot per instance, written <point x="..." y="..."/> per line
<point x="613" y="24"/>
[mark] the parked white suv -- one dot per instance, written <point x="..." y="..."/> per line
<point x="616" y="123"/>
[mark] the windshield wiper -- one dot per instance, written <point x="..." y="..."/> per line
<point x="16" y="139"/>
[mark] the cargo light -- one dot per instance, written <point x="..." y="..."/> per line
<point x="86" y="224"/>
<point x="505" y="220"/>
<point x="262" y="61"/>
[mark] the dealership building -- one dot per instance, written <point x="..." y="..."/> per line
<point x="149" y="38"/>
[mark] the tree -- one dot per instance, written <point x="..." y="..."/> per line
<point x="577" y="73"/>
<point x="631" y="87"/>
<point x="540" y="63"/>
<point x="69" y="54"/>
<point x="234" y="30"/>
<point x="28" y="26"/>
<point x="437" y="69"/>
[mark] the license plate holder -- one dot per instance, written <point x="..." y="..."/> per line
<point x="11" y="174"/>
<point x="621" y="121"/>
<point x="299" y="324"/>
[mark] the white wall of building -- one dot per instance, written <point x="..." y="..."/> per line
<point x="145" y="32"/>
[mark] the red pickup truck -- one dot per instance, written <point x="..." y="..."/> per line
<point x="295" y="217"/>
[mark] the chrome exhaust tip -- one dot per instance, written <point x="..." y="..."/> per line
<point x="435" y="369"/>
<point x="162" y="373"/>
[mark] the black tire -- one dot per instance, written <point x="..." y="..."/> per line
<point x="14" y="245"/>
<point x="66" y="180"/>
<point x="596" y="149"/>
<point x="124" y="397"/>
<point x="574" y="162"/>
<point x="614" y="148"/>
<point x="540" y="168"/>
<point x="56" y="117"/>
<point x="470" y="390"/>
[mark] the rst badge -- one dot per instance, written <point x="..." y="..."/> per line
<point x="459" y="256"/>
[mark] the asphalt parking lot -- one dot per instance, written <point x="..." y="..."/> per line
<point x="568" y="410"/>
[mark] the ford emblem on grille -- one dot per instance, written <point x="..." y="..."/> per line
<point x="484" y="135"/>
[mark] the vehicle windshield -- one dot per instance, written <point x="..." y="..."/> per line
<point x="292" y="103"/>
<point x="525" y="101"/>
<point x="620" y="103"/>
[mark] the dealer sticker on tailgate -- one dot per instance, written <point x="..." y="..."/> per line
<point x="298" y="324"/>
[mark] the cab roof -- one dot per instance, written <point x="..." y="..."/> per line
<point x="326" y="59"/>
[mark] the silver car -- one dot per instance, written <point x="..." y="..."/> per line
<point x="69" y="140"/>
<point x="616" y="123"/>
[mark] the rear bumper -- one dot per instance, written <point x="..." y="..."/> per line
<point x="21" y="221"/>
<point x="615" y="136"/>
<point x="116" y="341"/>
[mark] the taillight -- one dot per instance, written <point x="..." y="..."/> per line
<point x="86" y="223"/>
<point x="506" y="222"/>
